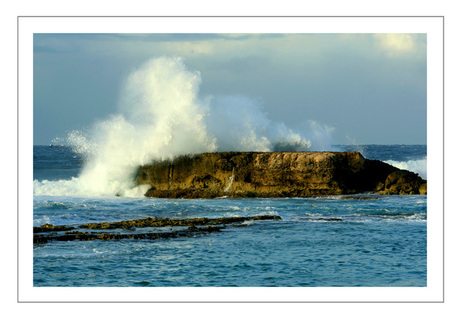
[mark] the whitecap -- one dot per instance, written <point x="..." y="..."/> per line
<point x="417" y="166"/>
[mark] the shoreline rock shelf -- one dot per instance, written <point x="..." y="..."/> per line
<point x="275" y="174"/>
<point x="122" y="230"/>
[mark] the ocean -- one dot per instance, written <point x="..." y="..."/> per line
<point x="335" y="241"/>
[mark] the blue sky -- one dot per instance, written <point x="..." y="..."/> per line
<point x="345" y="88"/>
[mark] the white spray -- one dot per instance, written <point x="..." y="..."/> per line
<point x="417" y="166"/>
<point x="230" y="180"/>
<point x="161" y="116"/>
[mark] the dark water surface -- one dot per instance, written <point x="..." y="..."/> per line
<point x="380" y="241"/>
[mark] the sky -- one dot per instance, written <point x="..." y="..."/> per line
<point x="341" y="88"/>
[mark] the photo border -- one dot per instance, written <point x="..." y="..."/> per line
<point x="433" y="26"/>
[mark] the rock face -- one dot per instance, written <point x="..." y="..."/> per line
<point x="275" y="174"/>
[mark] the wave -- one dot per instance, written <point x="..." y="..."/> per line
<point x="161" y="116"/>
<point x="417" y="166"/>
<point x="85" y="186"/>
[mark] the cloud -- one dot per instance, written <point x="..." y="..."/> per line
<point x="340" y="80"/>
<point x="189" y="48"/>
<point x="394" y="44"/>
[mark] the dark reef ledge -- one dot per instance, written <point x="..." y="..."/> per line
<point x="275" y="174"/>
<point x="127" y="230"/>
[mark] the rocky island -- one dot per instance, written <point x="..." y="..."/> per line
<point x="275" y="174"/>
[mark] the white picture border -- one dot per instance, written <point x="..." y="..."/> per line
<point x="432" y="26"/>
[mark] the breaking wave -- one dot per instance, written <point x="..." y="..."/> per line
<point x="161" y="116"/>
<point x="417" y="166"/>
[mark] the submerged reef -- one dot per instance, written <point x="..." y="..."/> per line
<point x="275" y="174"/>
<point x="127" y="229"/>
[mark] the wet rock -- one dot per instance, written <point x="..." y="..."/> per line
<point x="269" y="174"/>
<point x="49" y="228"/>
<point x="150" y="222"/>
<point x="197" y="226"/>
<point x="323" y="219"/>
<point x="403" y="182"/>
<point x="361" y="197"/>
<point x="422" y="189"/>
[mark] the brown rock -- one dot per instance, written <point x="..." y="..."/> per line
<point x="423" y="189"/>
<point x="403" y="182"/>
<point x="270" y="174"/>
<point x="207" y="225"/>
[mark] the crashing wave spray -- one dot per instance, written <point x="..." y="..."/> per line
<point x="239" y="124"/>
<point x="160" y="117"/>
<point x="417" y="166"/>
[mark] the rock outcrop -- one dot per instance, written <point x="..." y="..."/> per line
<point x="275" y="174"/>
<point x="122" y="230"/>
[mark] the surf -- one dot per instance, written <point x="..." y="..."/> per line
<point x="160" y="116"/>
<point x="417" y="166"/>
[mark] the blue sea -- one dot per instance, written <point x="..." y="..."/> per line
<point x="378" y="241"/>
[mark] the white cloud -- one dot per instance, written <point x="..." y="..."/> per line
<point x="395" y="43"/>
<point x="332" y="78"/>
<point x="188" y="48"/>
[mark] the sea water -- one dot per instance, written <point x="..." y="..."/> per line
<point x="380" y="241"/>
<point x="89" y="176"/>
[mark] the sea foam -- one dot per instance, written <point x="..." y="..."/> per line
<point x="160" y="116"/>
<point x="417" y="166"/>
